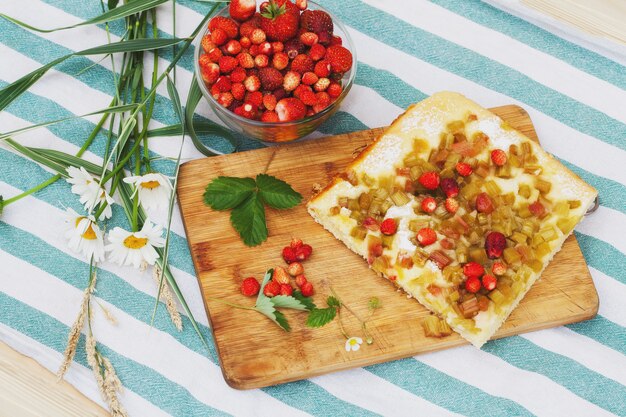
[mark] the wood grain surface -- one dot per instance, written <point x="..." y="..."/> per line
<point x="255" y="352"/>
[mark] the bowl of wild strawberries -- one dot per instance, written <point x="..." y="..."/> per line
<point x="277" y="72"/>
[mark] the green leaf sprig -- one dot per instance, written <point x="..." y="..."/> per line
<point x="247" y="197"/>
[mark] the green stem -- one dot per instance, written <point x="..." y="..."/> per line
<point x="219" y="300"/>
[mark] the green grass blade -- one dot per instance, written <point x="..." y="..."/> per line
<point x="133" y="45"/>
<point x="68" y="160"/>
<point x="35" y="156"/>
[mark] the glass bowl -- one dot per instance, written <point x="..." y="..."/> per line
<point x="279" y="131"/>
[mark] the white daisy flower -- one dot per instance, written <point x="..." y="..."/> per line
<point x="353" y="344"/>
<point x="84" y="235"/>
<point x="153" y="189"/>
<point x="135" y="248"/>
<point x="90" y="192"/>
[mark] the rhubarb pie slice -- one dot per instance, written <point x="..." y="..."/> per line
<point x="456" y="208"/>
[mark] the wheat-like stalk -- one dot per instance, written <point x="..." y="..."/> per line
<point x="168" y="298"/>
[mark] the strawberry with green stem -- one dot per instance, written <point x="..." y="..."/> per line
<point x="280" y="22"/>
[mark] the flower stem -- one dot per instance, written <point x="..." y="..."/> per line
<point x="228" y="303"/>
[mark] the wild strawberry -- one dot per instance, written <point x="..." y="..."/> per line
<point x="309" y="78"/>
<point x="277" y="47"/>
<point x="269" y="116"/>
<point x="266" y="48"/>
<point x="388" y="227"/>
<point x="317" y="21"/>
<point x="426" y="236"/>
<point x="289" y="254"/>
<point x="280" y="60"/>
<point x="285" y="289"/>
<point x="322" y="68"/>
<point x="308" y="97"/>
<point x="215" y="91"/>
<point x="498" y="268"/>
<point x="250" y="287"/>
<point x="473" y="270"/>
<point x="233" y="47"/>
<point x="302" y="4"/>
<point x="296" y="243"/>
<point x="339" y="57"/>
<point x="215" y="54"/>
<point x="245" y="60"/>
<point x="280" y="275"/>
<point x="293" y="47"/>
<point x="206" y="43"/>
<point x="227" y="64"/>
<point x="252" y="83"/>
<point x="472" y="285"/>
<point x="248" y="26"/>
<point x="300" y="280"/>
<point x="321" y="84"/>
<point x="210" y="73"/>
<point x="484" y="203"/>
<point x="271" y="289"/>
<point x="245" y="42"/>
<point x="464" y="169"/>
<point x="291" y="80"/>
<point x="498" y="157"/>
<point x="304" y="252"/>
<point x="450" y="187"/>
<point x="429" y="180"/>
<point x="317" y="52"/>
<point x="300" y="89"/>
<point x="242" y="9"/>
<point x="247" y="110"/>
<point x="253" y="50"/>
<point x="325" y="38"/>
<point x="537" y="209"/>
<point x="219" y="37"/>
<point x="257" y="36"/>
<point x="334" y="90"/>
<point x="451" y="205"/>
<point x="429" y="205"/>
<point x="489" y="282"/>
<point x="255" y="98"/>
<point x="495" y="243"/>
<point x="238" y="91"/>
<point x="302" y="63"/>
<point x="309" y="38"/>
<point x="323" y="99"/>
<point x="261" y="61"/>
<point x="238" y="75"/>
<point x="307" y="289"/>
<point x="279" y="22"/>
<point x="290" y="109"/>
<point x="279" y="93"/>
<point x="269" y="102"/>
<point x="336" y="40"/>
<point x="229" y="26"/>
<point x="225" y="99"/>
<point x="295" y="269"/>
<point x="223" y="84"/>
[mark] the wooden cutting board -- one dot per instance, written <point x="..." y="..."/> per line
<point x="254" y="352"/>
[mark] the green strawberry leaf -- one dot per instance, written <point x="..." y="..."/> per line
<point x="333" y="302"/>
<point x="319" y="317"/>
<point x="277" y="193"/>
<point x="282" y="321"/>
<point x="307" y="301"/>
<point x="266" y="279"/>
<point x="287" y="301"/>
<point x="248" y="219"/>
<point x="228" y="192"/>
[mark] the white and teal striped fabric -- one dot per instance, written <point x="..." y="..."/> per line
<point x="406" y="51"/>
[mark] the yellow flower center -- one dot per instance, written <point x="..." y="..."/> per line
<point x="353" y="342"/>
<point x="150" y="184"/>
<point x="134" y="242"/>
<point x="89" y="234"/>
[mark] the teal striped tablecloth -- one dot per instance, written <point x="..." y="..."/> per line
<point x="406" y="50"/>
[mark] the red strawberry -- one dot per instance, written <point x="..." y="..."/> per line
<point x="261" y="61"/>
<point x="279" y="93"/>
<point x="388" y="227"/>
<point x="290" y="109"/>
<point x="238" y="90"/>
<point x="336" y="40"/>
<point x="308" y="97"/>
<point x="279" y="22"/>
<point x="238" y="75"/>
<point x="248" y="26"/>
<point x="293" y="47"/>
<point x="323" y="99"/>
<point x="210" y="72"/>
<point x="219" y="36"/>
<point x="253" y="50"/>
<point x="304" y="252"/>
<point x="227" y="64"/>
<point x="258" y="36"/>
<point x="317" y="52"/>
<point x="309" y="78"/>
<point x="255" y="98"/>
<point x="223" y="84"/>
<point x="242" y="9"/>
<point x="280" y="275"/>
<point x="247" y="110"/>
<point x="289" y="254"/>
<point x="266" y="48"/>
<point x="295" y="269"/>
<point x="537" y="209"/>
<point x="207" y="44"/>
<point x="269" y="102"/>
<point x="252" y="83"/>
<point x="300" y="280"/>
<point x="339" y="57"/>
<point x="300" y="89"/>
<point x="296" y="243"/>
<point x="225" y="99"/>
<point x="309" y="38"/>
<point x="271" y="289"/>
<point x="285" y="289"/>
<point x="322" y="68"/>
<point x="270" y="78"/>
<point x="464" y="169"/>
<point x="302" y="63"/>
<point x="233" y="47"/>
<point x="429" y="180"/>
<point x="250" y="286"/>
<point x="321" y="84"/>
<point x="429" y="205"/>
<point x="498" y="157"/>
<point x="498" y="268"/>
<point x="495" y="243"/>
<point x="215" y="54"/>
<point x="317" y="21"/>
<point x="245" y="42"/>
<point x="307" y="289"/>
<point x="426" y="236"/>
<point x="302" y="4"/>
<point x="484" y="203"/>
<point x="489" y="282"/>
<point x="472" y="285"/>
<point x="245" y="60"/>
<point x="227" y="25"/>
<point x="269" y="117"/>
<point x="451" y="205"/>
<point x="277" y="47"/>
<point x="450" y="187"/>
<point x="291" y="80"/>
<point x="334" y="90"/>
<point x="280" y="60"/>
<point x="473" y="270"/>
